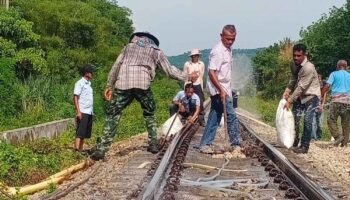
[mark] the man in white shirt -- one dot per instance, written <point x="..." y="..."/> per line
<point x="187" y="103"/>
<point x="197" y="66"/>
<point x="220" y="65"/>
<point x="83" y="103"/>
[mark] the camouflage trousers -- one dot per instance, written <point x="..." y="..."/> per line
<point x="121" y="99"/>
<point x="342" y="110"/>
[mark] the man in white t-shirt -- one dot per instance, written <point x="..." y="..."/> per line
<point x="219" y="84"/>
<point x="187" y="103"/>
<point x="83" y="103"/>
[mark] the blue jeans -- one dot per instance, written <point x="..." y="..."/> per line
<point x="317" y="125"/>
<point x="309" y="109"/>
<point x="214" y="119"/>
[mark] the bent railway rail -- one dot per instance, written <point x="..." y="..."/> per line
<point x="306" y="188"/>
<point x="166" y="178"/>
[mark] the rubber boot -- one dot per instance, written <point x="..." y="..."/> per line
<point x="153" y="147"/>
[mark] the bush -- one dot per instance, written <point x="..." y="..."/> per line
<point x="9" y="89"/>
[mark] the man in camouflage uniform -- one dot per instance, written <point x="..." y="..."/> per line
<point x="130" y="78"/>
<point x="339" y="83"/>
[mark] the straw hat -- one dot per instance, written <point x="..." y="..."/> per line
<point x="195" y="52"/>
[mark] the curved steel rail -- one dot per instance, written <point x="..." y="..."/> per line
<point x="151" y="190"/>
<point x="308" y="188"/>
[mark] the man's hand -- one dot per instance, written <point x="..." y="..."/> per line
<point x="223" y="96"/>
<point x="320" y="108"/>
<point x="108" y="94"/>
<point x="79" y="115"/>
<point x="194" y="76"/>
<point x="285" y="95"/>
<point x="192" y="119"/>
<point x="287" y="106"/>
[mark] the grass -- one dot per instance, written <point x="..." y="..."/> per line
<point x="265" y="110"/>
<point x="31" y="163"/>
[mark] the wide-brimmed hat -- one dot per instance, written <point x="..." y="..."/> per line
<point x="146" y="34"/>
<point x="195" y="52"/>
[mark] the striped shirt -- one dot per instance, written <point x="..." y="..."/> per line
<point x="136" y="67"/>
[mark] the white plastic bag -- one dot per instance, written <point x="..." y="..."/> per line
<point x="285" y="125"/>
<point x="177" y="126"/>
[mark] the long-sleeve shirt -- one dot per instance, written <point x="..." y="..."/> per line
<point x="136" y="67"/>
<point x="197" y="67"/>
<point x="304" y="82"/>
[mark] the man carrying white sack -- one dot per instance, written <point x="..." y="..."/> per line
<point x="305" y="97"/>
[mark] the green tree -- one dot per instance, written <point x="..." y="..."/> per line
<point x="272" y="69"/>
<point x="328" y="39"/>
<point x="18" y="41"/>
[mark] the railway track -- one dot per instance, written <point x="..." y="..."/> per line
<point x="265" y="173"/>
<point x="179" y="171"/>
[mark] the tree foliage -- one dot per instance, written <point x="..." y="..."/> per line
<point x="272" y="68"/>
<point x="328" y="39"/>
<point x="44" y="44"/>
<point x="73" y="33"/>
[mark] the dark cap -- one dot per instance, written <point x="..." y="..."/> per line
<point x="145" y="34"/>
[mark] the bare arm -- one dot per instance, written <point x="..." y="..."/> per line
<point x="76" y="106"/>
<point x="324" y="93"/>
<point x="193" y="118"/>
<point x="172" y="71"/>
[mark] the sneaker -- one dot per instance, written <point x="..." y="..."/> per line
<point x="300" y="150"/>
<point x="343" y="145"/>
<point x="97" y="155"/>
<point x="206" y="149"/>
<point x="153" y="148"/>
<point x="338" y="140"/>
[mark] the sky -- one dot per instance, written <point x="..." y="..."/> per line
<point x="181" y="25"/>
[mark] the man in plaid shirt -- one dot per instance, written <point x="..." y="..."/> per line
<point x="130" y="78"/>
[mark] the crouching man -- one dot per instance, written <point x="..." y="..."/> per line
<point x="187" y="104"/>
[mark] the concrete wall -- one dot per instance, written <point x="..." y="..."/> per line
<point x="28" y="134"/>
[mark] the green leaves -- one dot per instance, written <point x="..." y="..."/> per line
<point x="16" y="29"/>
<point x="272" y="69"/>
<point x="328" y="39"/>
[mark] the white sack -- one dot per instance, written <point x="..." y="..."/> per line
<point x="177" y="126"/>
<point x="285" y="125"/>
